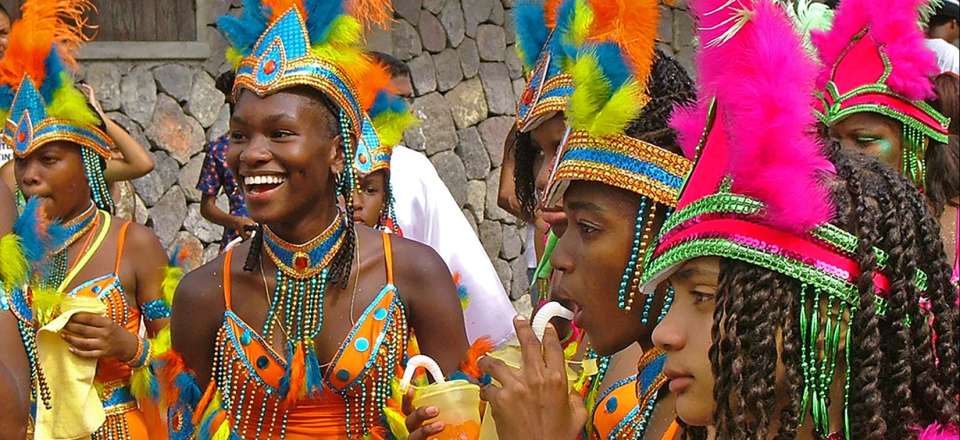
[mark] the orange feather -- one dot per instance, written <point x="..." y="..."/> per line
<point x="376" y="78"/>
<point x="551" y="7"/>
<point x="479" y="348"/>
<point x="44" y="23"/>
<point x="632" y="25"/>
<point x="279" y="7"/>
<point x="372" y="12"/>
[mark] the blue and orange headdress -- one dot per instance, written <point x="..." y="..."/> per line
<point x="382" y="129"/>
<point x="612" y="43"/>
<point x="542" y="52"/>
<point x="875" y="61"/>
<point x="38" y="98"/>
<point x="279" y="44"/>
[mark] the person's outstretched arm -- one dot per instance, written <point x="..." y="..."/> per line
<point x="134" y="161"/>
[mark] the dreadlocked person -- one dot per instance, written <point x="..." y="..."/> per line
<point x="618" y="182"/>
<point x="831" y="318"/>
<point x="303" y="337"/>
<point x="91" y="293"/>
<point x="875" y="94"/>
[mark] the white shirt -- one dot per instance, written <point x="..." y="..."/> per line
<point x="6" y="153"/>
<point x="948" y="55"/>
<point x="428" y="213"/>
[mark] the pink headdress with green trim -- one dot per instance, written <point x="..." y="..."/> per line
<point x="874" y="60"/>
<point x="757" y="191"/>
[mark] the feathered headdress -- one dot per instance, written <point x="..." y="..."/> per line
<point x="38" y="98"/>
<point x="278" y="44"/>
<point x="383" y="126"/>
<point x="612" y="43"/>
<point x="757" y="156"/>
<point x="543" y="55"/>
<point x="874" y="60"/>
<point x="613" y="53"/>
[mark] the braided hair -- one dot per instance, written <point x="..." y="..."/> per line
<point x="344" y="186"/>
<point x="669" y="85"/>
<point x="902" y="378"/>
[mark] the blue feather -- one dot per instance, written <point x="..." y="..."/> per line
<point x="186" y="428"/>
<point x="242" y="32"/>
<point x="532" y="29"/>
<point x="561" y="46"/>
<point x="190" y="393"/>
<point x="612" y="62"/>
<point x="6" y="97"/>
<point x="53" y="66"/>
<point x="313" y="372"/>
<point x="36" y="243"/>
<point x="320" y="15"/>
<point x="204" y="431"/>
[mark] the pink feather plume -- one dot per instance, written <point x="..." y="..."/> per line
<point x="936" y="431"/>
<point x="763" y="80"/>
<point x="894" y="26"/>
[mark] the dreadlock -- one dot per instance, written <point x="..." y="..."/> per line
<point x="669" y="85"/>
<point x="902" y="377"/>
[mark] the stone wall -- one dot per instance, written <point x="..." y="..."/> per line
<point x="466" y="75"/>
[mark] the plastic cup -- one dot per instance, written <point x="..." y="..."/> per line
<point x="457" y="401"/>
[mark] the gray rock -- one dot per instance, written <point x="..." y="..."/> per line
<point x="476" y="12"/>
<point x="503" y="271"/>
<point x="175" y="80"/>
<point x="467" y="214"/>
<point x="175" y="132"/>
<point x="406" y="40"/>
<point x="665" y="26"/>
<point x="518" y="85"/>
<point x="494" y="131"/>
<point x="666" y="48"/>
<point x="508" y="4"/>
<point x="497" y="14"/>
<point x="104" y="78"/>
<point x="491" y="42"/>
<point x="223" y="202"/>
<point x="124" y="200"/>
<point x="512" y="243"/>
<point x="191" y="246"/>
<point x="408" y="9"/>
<point x="164" y="175"/>
<point x="491" y="236"/>
<point x="168" y="215"/>
<point x="140" y="213"/>
<point x="188" y="177"/>
<point x="493" y="211"/>
<point x="451" y="16"/>
<point x="499" y="89"/>
<point x="423" y="73"/>
<point x="205" y="100"/>
<point x="476" y="198"/>
<point x="131" y="127"/>
<point x="468" y="103"/>
<point x="221" y="126"/>
<point x="520" y="284"/>
<point x="206" y="231"/>
<point x="451" y="171"/>
<point x="683" y="28"/>
<point x="379" y="39"/>
<point x="514" y="66"/>
<point x="436" y="131"/>
<point x="476" y="161"/>
<point x="211" y="252"/>
<point x="448" y="69"/>
<point x="138" y="95"/>
<point x="436" y="5"/>
<point x="469" y="58"/>
<point x="432" y="35"/>
<point x="510" y="30"/>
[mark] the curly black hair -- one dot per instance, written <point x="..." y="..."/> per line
<point x="943" y="159"/>
<point x="669" y="85"/>
<point x="902" y="377"/>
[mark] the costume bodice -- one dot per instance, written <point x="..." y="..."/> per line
<point x="249" y="374"/>
<point x="624" y="410"/>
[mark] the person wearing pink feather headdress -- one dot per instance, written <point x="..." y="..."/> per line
<point x="876" y="95"/>
<point x="812" y="295"/>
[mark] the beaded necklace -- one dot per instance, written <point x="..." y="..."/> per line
<point x="76" y="228"/>
<point x="296" y="305"/>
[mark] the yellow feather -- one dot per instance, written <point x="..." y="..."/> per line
<point x="141" y="381"/>
<point x="582" y="20"/>
<point x="345" y="31"/>
<point x="391" y="125"/>
<point x="69" y="103"/>
<point x="13" y="264"/>
<point x="171" y="279"/>
<point x="46" y="304"/>
<point x="223" y="432"/>
<point x="590" y="91"/>
<point x="234" y="57"/>
<point x="160" y="343"/>
<point x="623" y="107"/>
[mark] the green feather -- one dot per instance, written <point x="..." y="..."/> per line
<point x="591" y="91"/>
<point x="622" y="108"/>
<point x="69" y="103"/>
